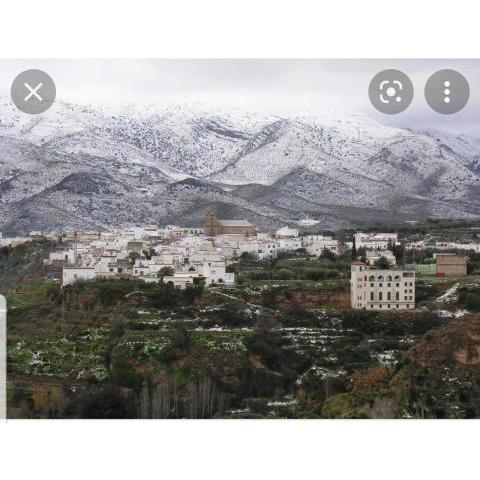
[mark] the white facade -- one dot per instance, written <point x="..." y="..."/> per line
<point x="267" y="249"/>
<point x="373" y="289"/>
<point x="374" y="255"/>
<point x="215" y="272"/>
<point x="317" y="244"/>
<point x="375" y="241"/>
<point x="181" y="279"/>
<point x="73" y="274"/>
<point x="457" y="246"/>
<point x="290" y="244"/>
<point x="61" y="256"/>
<point x="286" y="232"/>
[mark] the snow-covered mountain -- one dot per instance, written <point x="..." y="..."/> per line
<point x="82" y="166"/>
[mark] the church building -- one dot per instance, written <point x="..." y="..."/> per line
<point x="214" y="226"/>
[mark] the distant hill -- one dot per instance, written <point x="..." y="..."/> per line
<point x="80" y="166"/>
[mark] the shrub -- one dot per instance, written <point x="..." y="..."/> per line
<point x="470" y="298"/>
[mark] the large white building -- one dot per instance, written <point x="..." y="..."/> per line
<point x="373" y="289"/>
<point x="442" y="245"/>
<point x="286" y="232"/>
<point x="375" y="241"/>
<point x="213" y="273"/>
<point x="72" y="274"/>
<point x="317" y="244"/>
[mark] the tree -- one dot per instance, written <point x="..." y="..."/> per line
<point x="382" y="263"/>
<point x="133" y="257"/>
<point x="362" y="254"/>
<point x="148" y="254"/>
<point x="354" y="250"/>
<point x="398" y="250"/>
<point x="265" y="324"/>
<point x="328" y="254"/>
<point x="165" y="272"/>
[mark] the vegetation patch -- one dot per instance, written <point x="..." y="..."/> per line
<point x="81" y="357"/>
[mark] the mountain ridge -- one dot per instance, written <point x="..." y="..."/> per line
<point x="174" y="163"/>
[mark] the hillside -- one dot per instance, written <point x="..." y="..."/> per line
<point x="172" y="163"/>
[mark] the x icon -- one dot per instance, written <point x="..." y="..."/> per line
<point x="33" y="92"/>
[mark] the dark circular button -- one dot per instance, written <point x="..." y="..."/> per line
<point x="447" y="91"/>
<point x="390" y="91"/>
<point x="33" y="91"/>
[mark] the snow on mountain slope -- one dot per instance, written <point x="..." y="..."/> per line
<point x="105" y="147"/>
<point x="337" y="187"/>
<point x="318" y="144"/>
<point x="465" y="145"/>
<point x="193" y="140"/>
<point x="192" y="195"/>
<point x="159" y="163"/>
<point x="60" y="120"/>
<point x="416" y="165"/>
<point x="350" y="138"/>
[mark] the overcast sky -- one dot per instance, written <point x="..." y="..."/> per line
<point x="280" y="87"/>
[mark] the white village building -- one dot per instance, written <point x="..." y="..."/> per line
<point x="72" y="274"/>
<point x="374" y="256"/>
<point x="317" y="244"/>
<point x="375" y="241"/>
<point x="286" y="232"/>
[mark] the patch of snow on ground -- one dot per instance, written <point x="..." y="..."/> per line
<point x="456" y="314"/>
<point x="449" y="296"/>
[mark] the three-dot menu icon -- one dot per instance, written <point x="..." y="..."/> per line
<point x="447" y="91"/>
<point x="447" y="97"/>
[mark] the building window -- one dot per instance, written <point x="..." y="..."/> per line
<point x="389" y="297"/>
<point x="380" y="296"/>
<point x="371" y="296"/>
<point x="397" y="296"/>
